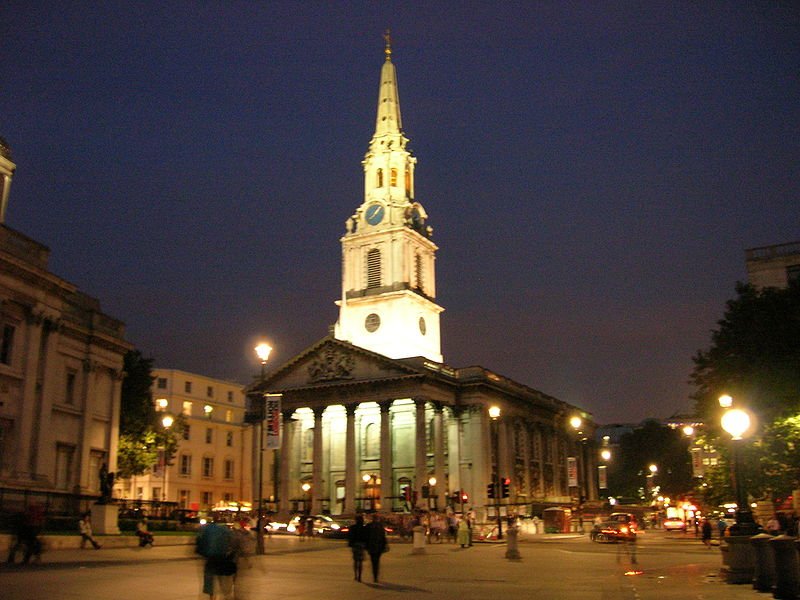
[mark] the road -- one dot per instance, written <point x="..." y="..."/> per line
<point x="668" y="566"/>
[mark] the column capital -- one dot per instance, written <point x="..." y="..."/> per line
<point x="385" y="405"/>
<point x="350" y="409"/>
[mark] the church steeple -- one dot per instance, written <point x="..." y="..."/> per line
<point x="388" y="258"/>
<point x="388" y="120"/>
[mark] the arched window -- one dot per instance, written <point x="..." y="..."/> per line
<point x="372" y="440"/>
<point x="379" y="178"/>
<point x="418" y="270"/>
<point x="373" y="268"/>
<point x="393" y="181"/>
<point x="408" y="180"/>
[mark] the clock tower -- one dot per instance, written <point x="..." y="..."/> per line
<point x="388" y="278"/>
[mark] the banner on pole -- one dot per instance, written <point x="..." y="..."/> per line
<point x="572" y="471"/>
<point x="602" y="477"/>
<point x="273" y="420"/>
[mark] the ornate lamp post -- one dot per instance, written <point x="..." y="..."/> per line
<point x="166" y="422"/>
<point x="494" y="415"/>
<point x="737" y="422"/>
<point x="262" y="351"/>
<point x="432" y="493"/>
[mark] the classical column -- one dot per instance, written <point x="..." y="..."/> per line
<point x="286" y="458"/>
<point x="421" y="455"/>
<point x="117" y="375"/>
<point x="90" y="370"/>
<point x="454" y="450"/>
<point x="317" y="461"/>
<point x="387" y="472"/>
<point x="503" y="453"/>
<point x="438" y="457"/>
<point x="32" y="357"/>
<point x="43" y="462"/>
<point x="351" y="485"/>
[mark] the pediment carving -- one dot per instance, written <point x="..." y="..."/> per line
<point x="331" y="364"/>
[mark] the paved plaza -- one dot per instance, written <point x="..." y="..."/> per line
<point x="671" y="567"/>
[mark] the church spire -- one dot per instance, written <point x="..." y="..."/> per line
<point x="388" y="121"/>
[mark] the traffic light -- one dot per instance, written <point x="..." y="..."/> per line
<point x="505" y="484"/>
<point x="464" y="497"/>
<point x="490" y="490"/>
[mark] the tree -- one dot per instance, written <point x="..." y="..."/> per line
<point x="651" y="443"/>
<point x="142" y="435"/>
<point x="754" y="357"/>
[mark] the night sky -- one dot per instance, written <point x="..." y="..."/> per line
<point x="593" y="172"/>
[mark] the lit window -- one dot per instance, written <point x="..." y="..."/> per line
<point x="393" y="181"/>
<point x="379" y="179"/>
<point x="187" y="408"/>
<point x="228" y="416"/>
<point x="162" y="404"/>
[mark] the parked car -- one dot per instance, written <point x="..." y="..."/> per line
<point x="674" y="524"/>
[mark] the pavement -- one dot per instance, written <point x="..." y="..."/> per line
<point x="551" y="566"/>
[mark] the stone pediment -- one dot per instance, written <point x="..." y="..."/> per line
<point x="332" y="362"/>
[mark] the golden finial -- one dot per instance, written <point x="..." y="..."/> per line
<point x="387" y="37"/>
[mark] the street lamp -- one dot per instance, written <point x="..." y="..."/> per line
<point x="736" y="422"/>
<point x="262" y="351"/>
<point x="432" y="492"/>
<point x="306" y="487"/>
<point x="167" y="422"/>
<point x="494" y="415"/>
<point x="651" y="480"/>
<point x="577" y="423"/>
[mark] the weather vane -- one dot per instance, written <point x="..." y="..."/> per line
<point x="387" y="37"/>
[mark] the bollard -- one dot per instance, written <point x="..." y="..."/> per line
<point x="419" y="540"/>
<point x="512" y="549"/>
<point x="787" y="571"/>
<point x="764" y="575"/>
<point x="741" y="559"/>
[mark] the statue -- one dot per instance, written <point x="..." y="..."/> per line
<point x="106" y="484"/>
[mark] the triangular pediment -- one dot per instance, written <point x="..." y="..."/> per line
<point x="334" y="362"/>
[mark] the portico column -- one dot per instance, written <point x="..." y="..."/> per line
<point x="454" y="450"/>
<point x="286" y="457"/>
<point x="317" y="460"/>
<point x="350" y="473"/>
<point x="33" y="356"/>
<point x="438" y="457"/>
<point x="420" y="459"/>
<point x="503" y="469"/>
<point x="387" y="473"/>
<point x="90" y="370"/>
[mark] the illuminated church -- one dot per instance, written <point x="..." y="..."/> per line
<point x="372" y="416"/>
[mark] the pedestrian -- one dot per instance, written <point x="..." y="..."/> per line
<point x="376" y="544"/>
<point x="144" y="535"/>
<point x="706" y="528"/>
<point x="215" y="543"/>
<point x="85" y="527"/>
<point x="722" y="525"/>
<point x="463" y="533"/>
<point x="26" y="531"/>
<point x="357" y="540"/>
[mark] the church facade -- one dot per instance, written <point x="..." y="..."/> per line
<point x="372" y="416"/>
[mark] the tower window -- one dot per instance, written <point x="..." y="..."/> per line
<point x="408" y="180"/>
<point x="373" y="268"/>
<point x="418" y="270"/>
<point x="393" y="181"/>
<point x="6" y="344"/>
<point x="379" y="178"/>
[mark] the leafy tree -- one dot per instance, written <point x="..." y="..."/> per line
<point x="142" y="436"/>
<point x="755" y="357"/>
<point x="651" y="443"/>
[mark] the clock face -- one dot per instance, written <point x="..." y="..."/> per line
<point x="422" y="327"/>
<point x="372" y="322"/>
<point x="374" y="213"/>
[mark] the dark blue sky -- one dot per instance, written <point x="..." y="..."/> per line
<point x="593" y="173"/>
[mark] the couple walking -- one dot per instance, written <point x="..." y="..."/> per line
<point x="370" y="538"/>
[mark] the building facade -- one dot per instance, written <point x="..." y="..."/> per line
<point x="372" y="416"/>
<point x="214" y="460"/>
<point x="60" y="370"/>
<point x="773" y="266"/>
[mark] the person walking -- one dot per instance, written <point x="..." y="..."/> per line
<point x="216" y="544"/>
<point x="85" y="527"/>
<point x="706" y="528"/>
<point x="357" y="540"/>
<point x="376" y="544"/>
<point x="144" y="535"/>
